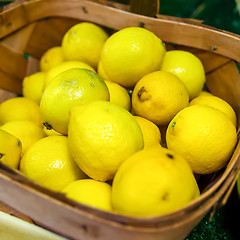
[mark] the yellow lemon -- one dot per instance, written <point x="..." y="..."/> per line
<point x="91" y="192"/>
<point x="49" y="163"/>
<point x="152" y="182"/>
<point x="119" y="95"/>
<point x="158" y="96"/>
<point x="218" y="103"/>
<point x="20" y="108"/>
<point x="101" y="136"/>
<point x="150" y="131"/>
<point x="50" y="131"/>
<point x="84" y="42"/>
<point x="62" y="67"/>
<point x="204" y="136"/>
<point x="72" y="87"/>
<point x="51" y="58"/>
<point x="101" y="72"/>
<point x="10" y="149"/>
<point x="26" y="131"/>
<point x="32" y="86"/>
<point x="204" y="93"/>
<point x="187" y="67"/>
<point x="129" y="54"/>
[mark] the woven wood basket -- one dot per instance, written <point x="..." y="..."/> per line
<point x="29" y="28"/>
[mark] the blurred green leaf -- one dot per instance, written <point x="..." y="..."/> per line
<point x="221" y="14"/>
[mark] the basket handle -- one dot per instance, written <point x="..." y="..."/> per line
<point x="145" y="7"/>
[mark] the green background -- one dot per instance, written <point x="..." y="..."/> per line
<point x="222" y="14"/>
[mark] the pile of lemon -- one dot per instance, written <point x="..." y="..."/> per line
<point x="117" y="122"/>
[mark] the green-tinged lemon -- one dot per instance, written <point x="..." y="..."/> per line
<point x="70" y="88"/>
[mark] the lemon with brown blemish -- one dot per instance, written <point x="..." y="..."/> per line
<point x="158" y="96"/>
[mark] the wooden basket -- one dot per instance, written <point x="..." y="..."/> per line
<point x="29" y="28"/>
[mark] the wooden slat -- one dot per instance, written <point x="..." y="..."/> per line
<point x="17" y="41"/>
<point x="33" y="66"/>
<point x="210" y="60"/>
<point x="5" y="208"/>
<point x="180" y="19"/>
<point x="225" y="83"/>
<point x="10" y="83"/>
<point x="4" y="95"/>
<point x="12" y="62"/>
<point x="145" y="7"/>
<point x="117" y="5"/>
<point x="46" y="34"/>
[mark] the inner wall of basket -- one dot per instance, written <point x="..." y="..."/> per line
<point x="222" y="75"/>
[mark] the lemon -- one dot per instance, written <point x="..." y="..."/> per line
<point x="20" y="108"/>
<point x="10" y="149"/>
<point x="101" y="72"/>
<point x="119" y="95"/>
<point x="26" y="131"/>
<point x="154" y="181"/>
<point x="54" y="71"/>
<point x="204" y="136"/>
<point x="101" y="136"/>
<point x="204" y="93"/>
<point x="32" y="86"/>
<point x="91" y="192"/>
<point x="72" y="87"/>
<point x="49" y="163"/>
<point x="150" y="131"/>
<point x="129" y="54"/>
<point x="158" y="96"/>
<point x="84" y="42"/>
<point x="51" y="58"/>
<point x="218" y="103"/>
<point x="50" y="131"/>
<point x="187" y="67"/>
